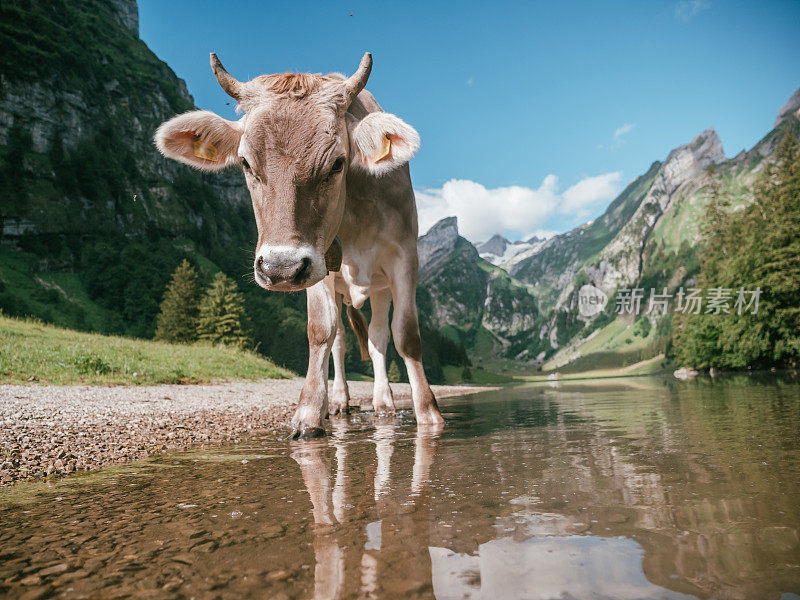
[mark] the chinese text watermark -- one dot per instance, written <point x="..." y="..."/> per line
<point x="688" y="301"/>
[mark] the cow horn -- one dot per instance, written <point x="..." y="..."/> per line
<point x="231" y="86"/>
<point x="356" y="82"/>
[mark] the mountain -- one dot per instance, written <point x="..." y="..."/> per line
<point x="620" y="262"/>
<point x="502" y="253"/>
<point x="92" y="218"/>
<point x="462" y="294"/>
<point x="650" y="236"/>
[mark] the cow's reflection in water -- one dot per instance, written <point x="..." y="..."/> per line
<point x="347" y="552"/>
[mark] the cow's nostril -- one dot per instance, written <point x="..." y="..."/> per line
<point x="302" y="269"/>
<point x="260" y="268"/>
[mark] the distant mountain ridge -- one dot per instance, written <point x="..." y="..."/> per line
<point x="502" y="253"/>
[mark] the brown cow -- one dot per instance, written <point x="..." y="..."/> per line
<point x="328" y="176"/>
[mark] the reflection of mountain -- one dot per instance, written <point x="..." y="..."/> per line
<point x="580" y="495"/>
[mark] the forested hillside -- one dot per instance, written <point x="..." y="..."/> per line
<point x="757" y="248"/>
<point x="93" y="219"/>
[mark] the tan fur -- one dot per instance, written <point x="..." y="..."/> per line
<point x="296" y="85"/>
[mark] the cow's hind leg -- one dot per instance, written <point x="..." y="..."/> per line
<point x="322" y="317"/>
<point x="340" y="396"/>
<point x="407" y="340"/>
<point x="380" y="301"/>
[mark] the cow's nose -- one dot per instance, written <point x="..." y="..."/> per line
<point x="277" y="270"/>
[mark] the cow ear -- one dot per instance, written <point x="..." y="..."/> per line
<point x="200" y="139"/>
<point x="383" y="142"/>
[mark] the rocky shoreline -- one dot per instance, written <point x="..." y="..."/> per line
<point x="53" y="430"/>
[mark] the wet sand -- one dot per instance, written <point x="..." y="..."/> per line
<point x="46" y="430"/>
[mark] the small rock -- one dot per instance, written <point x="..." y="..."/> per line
<point x="685" y="373"/>
<point x="184" y="558"/>
<point x="55" y="569"/>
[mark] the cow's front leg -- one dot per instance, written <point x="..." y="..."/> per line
<point x="407" y="340"/>
<point x="380" y="301"/>
<point x="340" y="396"/>
<point x="313" y="406"/>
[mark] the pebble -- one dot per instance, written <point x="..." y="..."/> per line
<point x="48" y="430"/>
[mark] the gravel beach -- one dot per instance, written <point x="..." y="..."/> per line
<point x="47" y="430"/>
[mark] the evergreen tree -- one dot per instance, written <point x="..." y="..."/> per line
<point x="177" y="321"/>
<point x="222" y="315"/>
<point x="758" y="247"/>
<point x="394" y="373"/>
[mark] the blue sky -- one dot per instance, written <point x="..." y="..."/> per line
<point x="532" y="115"/>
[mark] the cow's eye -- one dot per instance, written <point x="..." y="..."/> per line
<point x="245" y="164"/>
<point x="338" y="165"/>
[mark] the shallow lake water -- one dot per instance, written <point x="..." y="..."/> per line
<point x="635" y="488"/>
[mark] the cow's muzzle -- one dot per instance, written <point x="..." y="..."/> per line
<point x="288" y="269"/>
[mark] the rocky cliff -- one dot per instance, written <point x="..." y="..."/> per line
<point x="648" y="237"/>
<point x="457" y="288"/>
<point x="683" y="172"/>
<point x="68" y="105"/>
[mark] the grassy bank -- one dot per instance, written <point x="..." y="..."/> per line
<point x="32" y="351"/>
<point x="654" y="366"/>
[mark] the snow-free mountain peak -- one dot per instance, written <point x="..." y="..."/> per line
<point x="792" y="107"/>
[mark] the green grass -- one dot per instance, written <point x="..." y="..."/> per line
<point x="30" y="349"/>
<point x="617" y="345"/>
<point x="57" y="297"/>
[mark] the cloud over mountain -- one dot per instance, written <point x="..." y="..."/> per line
<point x="516" y="211"/>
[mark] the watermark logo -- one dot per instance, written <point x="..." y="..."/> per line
<point x="695" y="301"/>
<point x="591" y="301"/>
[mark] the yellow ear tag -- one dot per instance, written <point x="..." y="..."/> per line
<point x="205" y="149"/>
<point x="387" y="148"/>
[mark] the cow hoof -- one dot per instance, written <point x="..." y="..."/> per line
<point x="339" y="411"/>
<point x="307" y="433"/>
<point x="430" y="418"/>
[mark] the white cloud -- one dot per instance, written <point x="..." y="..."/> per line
<point x="686" y="9"/>
<point x="513" y="210"/>
<point x="623" y="130"/>
<point x="590" y="192"/>
<point x="619" y="136"/>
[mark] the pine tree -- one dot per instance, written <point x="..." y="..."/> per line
<point x="394" y="373"/>
<point x="756" y="248"/>
<point x="222" y="315"/>
<point x="177" y="321"/>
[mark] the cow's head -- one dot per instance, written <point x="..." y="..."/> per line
<point x="296" y="144"/>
